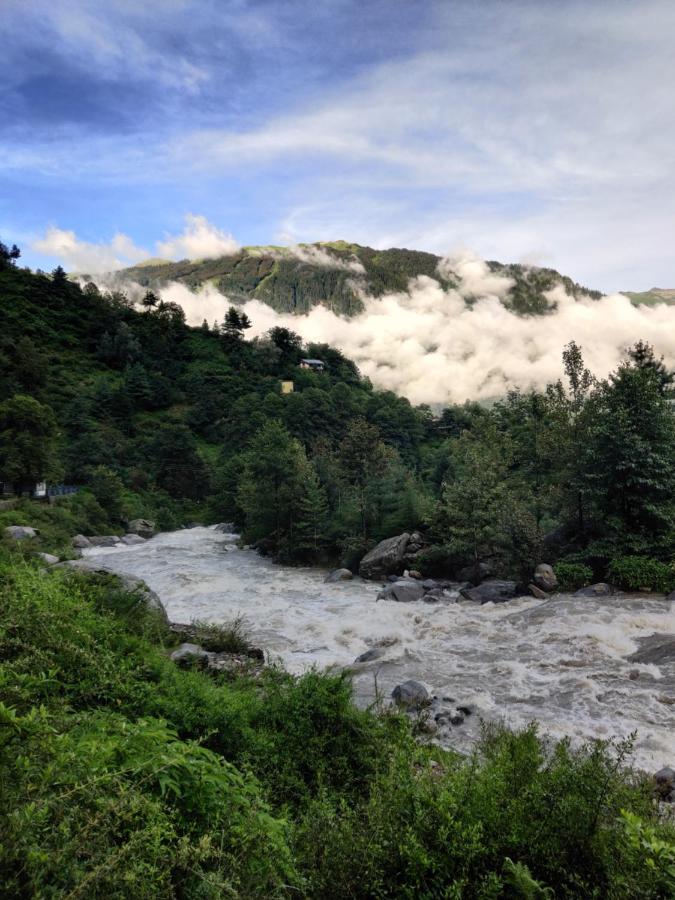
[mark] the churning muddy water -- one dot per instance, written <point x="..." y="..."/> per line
<point x="562" y="661"/>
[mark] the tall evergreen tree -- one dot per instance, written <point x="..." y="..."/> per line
<point x="28" y="442"/>
<point x="271" y="481"/>
<point x="631" y="466"/>
<point x="310" y="535"/>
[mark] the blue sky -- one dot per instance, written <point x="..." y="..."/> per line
<point x="540" y="132"/>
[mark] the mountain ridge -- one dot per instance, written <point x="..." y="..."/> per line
<point x="336" y="274"/>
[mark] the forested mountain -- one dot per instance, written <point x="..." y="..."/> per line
<point x="160" y="419"/>
<point x="333" y="274"/>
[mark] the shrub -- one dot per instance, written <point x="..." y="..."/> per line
<point x="636" y="573"/>
<point x="439" y="560"/>
<point x="572" y="576"/>
<point x="228" y="637"/>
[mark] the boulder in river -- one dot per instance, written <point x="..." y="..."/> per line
<point x="104" y="540"/>
<point x="594" y="590"/>
<point x="20" y="532"/>
<point x="537" y="592"/>
<point x="411" y="694"/>
<point x="544" y="578"/>
<point x="80" y="542"/>
<point x="225" y="528"/>
<point x="656" y="649"/>
<point x="190" y="655"/>
<point x="402" y="591"/>
<point x="131" y="539"/>
<point x="491" y="592"/>
<point x="477" y="573"/>
<point x="386" y="558"/>
<point x="338" y="575"/>
<point x="370" y="655"/>
<point x="144" y="527"/>
<point x="671" y="597"/>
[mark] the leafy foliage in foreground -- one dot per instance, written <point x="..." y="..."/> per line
<point x="123" y="776"/>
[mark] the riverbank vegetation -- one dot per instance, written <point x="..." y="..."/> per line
<point x="125" y="776"/>
<point x="177" y="424"/>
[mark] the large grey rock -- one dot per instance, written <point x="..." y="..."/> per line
<point x="665" y="782"/>
<point x="655" y="649"/>
<point x="386" y="558"/>
<point x="402" y="591"/>
<point x="338" y="575"/>
<point x="189" y="655"/>
<point x="438" y="595"/>
<point x="81" y="542"/>
<point x="477" y="573"/>
<point x="491" y="592"/>
<point x="131" y="539"/>
<point x="671" y="597"/>
<point x="20" y="532"/>
<point x="370" y="655"/>
<point x="429" y="584"/>
<point x="594" y="590"/>
<point x="225" y="528"/>
<point x="104" y="540"/>
<point x="544" y="578"/>
<point x="144" y="527"/>
<point x="48" y="558"/>
<point x="537" y="592"/>
<point x="411" y="694"/>
<point x="130" y="583"/>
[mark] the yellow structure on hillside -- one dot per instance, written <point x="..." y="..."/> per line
<point x="286" y="387"/>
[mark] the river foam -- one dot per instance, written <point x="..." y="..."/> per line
<point x="561" y="661"/>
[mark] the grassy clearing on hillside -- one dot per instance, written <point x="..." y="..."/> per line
<point x="123" y="776"/>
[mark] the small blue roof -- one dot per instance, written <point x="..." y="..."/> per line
<point x="313" y="362"/>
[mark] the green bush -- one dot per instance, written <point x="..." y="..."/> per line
<point x="637" y="573"/>
<point x="455" y="828"/>
<point x="572" y="576"/>
<point x="123" y="775"/>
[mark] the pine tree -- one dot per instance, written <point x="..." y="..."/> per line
<point x="150" y="300"/>
<point x="631" y="464"/>
<point x="271" y="481"/>
<point x="311" y="519"/>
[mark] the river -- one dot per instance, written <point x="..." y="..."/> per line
<point x="560" y="661"/>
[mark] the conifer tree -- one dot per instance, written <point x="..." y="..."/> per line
<point x="311" y="523"/>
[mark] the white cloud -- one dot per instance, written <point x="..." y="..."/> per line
<point x="318" y="256"/>
<point x="430" y="346"/>
<point x="200" y="240"/>
<point x="82" y="256"/>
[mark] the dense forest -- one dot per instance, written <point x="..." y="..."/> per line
<point x="156" y="418"/>
<point x="126" y="775"/>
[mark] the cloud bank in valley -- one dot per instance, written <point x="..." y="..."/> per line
<point x="427" y="344"/>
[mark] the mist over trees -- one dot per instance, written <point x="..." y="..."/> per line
<point x="194" y="418"/>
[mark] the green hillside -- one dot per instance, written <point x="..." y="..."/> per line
<point x="291" y="281"/>
<point x="158" y="419"/>
<point x="652" y="297"/>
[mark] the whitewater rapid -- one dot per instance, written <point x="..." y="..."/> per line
<point x="560" y="661"/>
